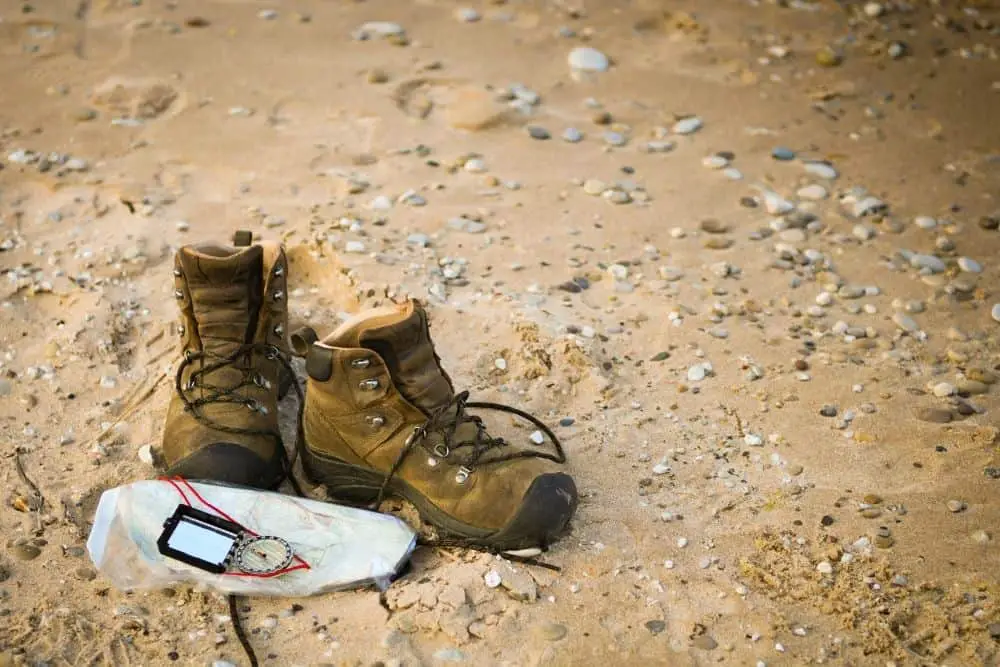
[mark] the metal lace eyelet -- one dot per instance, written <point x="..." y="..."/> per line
<point x="369" y="385"/>
<point x="462" y="475"/>
<point x="261" y="381"/>
<point x="271" y="352"/>
<point x="279" y="270"/>
<point x="442" y="450"/>
<point x="278" y="295"/>
<point x="188" y="354"/>
<point x="181" y="330"/>
<point x="375" y="421"/>
<point x="177" y="272"/>
<point x="256" y="406"/>
<point x="190" y="384"/>
<point x="278" y="329"/>
<point x="363" y="362"/>
<point x="178" y="294"/>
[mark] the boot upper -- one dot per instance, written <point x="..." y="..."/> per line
<point x="233" y="328"/>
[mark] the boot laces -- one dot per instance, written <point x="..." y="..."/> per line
<point x="240" y="359"/>
<point x="446" y="421"/>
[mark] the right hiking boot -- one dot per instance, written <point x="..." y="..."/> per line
<point x="382" y="417"/>
<point x="222" y="422"/>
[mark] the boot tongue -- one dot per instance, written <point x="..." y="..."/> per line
<point x="226" y="287"/>
<point x="402" y="339"/>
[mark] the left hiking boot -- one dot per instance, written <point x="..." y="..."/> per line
<point x="381" y="416"/>
<point x="222" y="423"/>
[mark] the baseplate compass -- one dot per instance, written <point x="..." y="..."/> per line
<point x="262" y="555"/>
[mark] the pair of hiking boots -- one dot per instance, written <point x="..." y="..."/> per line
<point x="379" y="416"/>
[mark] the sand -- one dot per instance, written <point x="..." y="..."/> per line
<point x="723" y="517"/>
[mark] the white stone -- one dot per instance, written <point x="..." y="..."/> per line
<point x="380" y="203"/>
<point x="378" y="29"/>
<point x="492" y="579"/>
<point x="825" y="568"/>
<point x="775" y="204"/>
<point x="500" y="364"/>
<point x="687" y="125"/>
<point x="682" y="542"/>
<point x="146" y="454"/>
<point x="821" y="170"/>
<point x="943" y="389"/>
<point x="925" y="222"/>
<point x="587" y="59"/>
<point x="814" y="192"/>
<point x="661" y="469"/>
<point x="354" y="246"/>
<point x="969" y="265"/>
<point x="714" y="162"/>
<point x="995" y="312"/>
<point x="537" y="437"/>
<point x="467" y="15"/>
<point x="696" y="373"/>
<point x="874" y="9"/>
<point x="475" y="166"/>
<point x="824" y="299"/>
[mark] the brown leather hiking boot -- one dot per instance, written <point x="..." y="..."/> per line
<point x="381" y="416"/>
<point x="222" y="423"/>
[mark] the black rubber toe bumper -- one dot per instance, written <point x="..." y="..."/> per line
<point x="229" y="463"/>
<point x="547" y="507"/>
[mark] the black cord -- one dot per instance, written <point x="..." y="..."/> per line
<point x="234" y="616"/>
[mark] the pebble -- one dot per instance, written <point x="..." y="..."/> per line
<point x="814" y="192"/>
<point x="713" y="226"/>
<point x="656" y="626"/>
<point x="821" y="170"/>
<point x="783" y="154"/>
<point x="927" y="262"/>
<point x="615" y="139"/>
<point x="943" y="389"/>
<point x="594" y="187"/>
<point x="995" y="312"/>
<point x="775" y="204"/>
<point x="956" y="506"/>
<point x="688" y="125"/>
<point x="467" y="15"/>
<point x="715" y="162"/>
<point x="969" y="265"/>
<point x="828" y="411"/>
<point x="540" y="133"/>
<point x="704" y="642"/>
<point x="981" y="537"/>
<point x="825" y="567"/>
<point x="378" y="29"/>
<point x="354" y="247"/>
<point x="698" y="372"/>
<point x="925" y="222"/>
<point x="587" y="59"/>
<point x="905" y="322"/>
<point x="492" y="579"/>
<point x="146" y="455"/>
<point x="421" y="240"/>
<point x="572" y="135"/>
<point x="537" y="437"/>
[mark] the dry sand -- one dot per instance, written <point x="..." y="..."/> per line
<point x="723" y="519"/>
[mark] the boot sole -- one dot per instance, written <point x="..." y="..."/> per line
<point x="545" y="510"/>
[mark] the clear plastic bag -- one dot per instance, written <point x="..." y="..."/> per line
<point x="342" y="547"/>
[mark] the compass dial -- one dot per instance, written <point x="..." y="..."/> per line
<point x="263" y="555"/>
